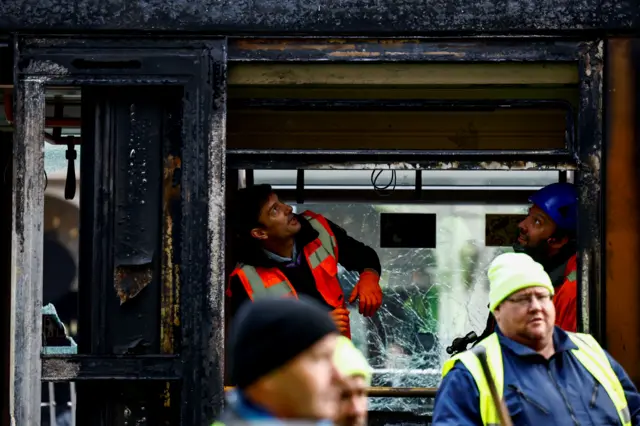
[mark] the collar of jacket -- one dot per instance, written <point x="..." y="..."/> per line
<point x="561" y="342"/>
<point x="246" y="409"/>
<point x="557" y="265"/>
<point x="251" y="412"/>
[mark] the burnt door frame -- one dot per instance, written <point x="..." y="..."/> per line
<point x="199" y="67"/>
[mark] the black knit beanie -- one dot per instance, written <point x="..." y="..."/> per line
<point x="268" y="333"/>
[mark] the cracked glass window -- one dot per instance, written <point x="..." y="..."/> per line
<point x="431" y="296"/>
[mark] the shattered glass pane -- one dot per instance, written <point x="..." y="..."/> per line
<point x="431" y="296"/>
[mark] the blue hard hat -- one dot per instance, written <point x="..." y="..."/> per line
<point x="560" y="202"/>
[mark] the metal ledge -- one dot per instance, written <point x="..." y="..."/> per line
<point x="66" y="368"/>
<point x="380" y="391"/>
<point x="400" y="159"/>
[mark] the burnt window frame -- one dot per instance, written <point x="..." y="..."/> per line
<point x="199" y="67"/>
<point x="37" y="59"/>
<point x="582" y="156"/>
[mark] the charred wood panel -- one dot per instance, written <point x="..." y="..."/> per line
<point x="397" y="50"/>
<point x="133" y="318"/>
<point x="589" y="180"/>
<point x="89" y="368"/>
<point x="127" y="128"/>
<point x="385" y="17"/>
<point x="202" y="273"/>
<point x="125" y="190"/>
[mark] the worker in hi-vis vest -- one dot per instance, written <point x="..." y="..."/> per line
<point x="548" y="235"/>
<point x="545" y="375"/>
<point x="280" y="253"/>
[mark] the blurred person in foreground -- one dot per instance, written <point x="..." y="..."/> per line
<point x="281" y="353"/>
<point x="356" y="375"/>
<point x="545" y="375"/>
<point x="283" y="254"/>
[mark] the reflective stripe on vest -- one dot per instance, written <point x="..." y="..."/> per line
<point x="328" y="245"/>
<point x="589" y="354"/>
<point x="494" y="356"/>
<point x="275" y="283"/>
<point x="322" y="256"/>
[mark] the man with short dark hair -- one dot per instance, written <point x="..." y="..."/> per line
<point x="548" y="235"/>
<point x="280" y="253"/>
<point x="281" y="354"/>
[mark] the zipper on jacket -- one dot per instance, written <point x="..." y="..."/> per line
<point x="529" y="400"/>
<point x="594" y="395"/>
<point x="564" y="398"/>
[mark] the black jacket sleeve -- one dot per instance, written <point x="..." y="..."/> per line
<point x="236" y="295"/>
<point x="352" y="254"/>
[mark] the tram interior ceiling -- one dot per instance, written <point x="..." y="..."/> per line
<point x="430" y="164"/>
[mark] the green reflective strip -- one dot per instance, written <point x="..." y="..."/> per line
<point x="625" y="414"/>
<point x="328" y="242"/>
<point x="591" y="355"/>
<point x="217" y="424"/>
<point x="572" y="276"/>
<point x="318" y="256"/>
<point x="258" y="288"/>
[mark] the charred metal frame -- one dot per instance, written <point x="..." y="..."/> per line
<point x="198" y="67"/>
<point x="324" y="17"/>
<point x="201" y="71"/>
<point x="562" y="159"/>
<point x="584" y="156"/>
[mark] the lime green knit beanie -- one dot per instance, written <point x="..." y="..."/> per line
<point x="350" y="361"/>
<point x="512" y="272"/>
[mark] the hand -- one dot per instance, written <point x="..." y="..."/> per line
<point x="340" y="317"/>
<point x="369" y="293"/>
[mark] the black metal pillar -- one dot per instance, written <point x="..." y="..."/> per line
<point x="203" y="273"/>
<point x="589" y="179"/>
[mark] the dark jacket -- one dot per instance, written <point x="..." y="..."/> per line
<point x="537" y="391"/>
<point x="352" y="255"/>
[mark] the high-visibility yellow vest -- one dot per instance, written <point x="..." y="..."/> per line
<point x="589" y="353"/>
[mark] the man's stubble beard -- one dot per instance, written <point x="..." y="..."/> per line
<point x="539" y="253"/>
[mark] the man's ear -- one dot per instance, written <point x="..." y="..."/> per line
<point x="258" y="234"/>
<point x="496" y="313"/>
<point x="558" y="243"/>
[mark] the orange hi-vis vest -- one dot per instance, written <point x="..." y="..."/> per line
<point x="322" y="257"/>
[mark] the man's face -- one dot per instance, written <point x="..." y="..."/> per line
<point x="277" y="219"/>
<point x="535" y="235"/>
<point x="310" y="384"/>
<point x="527" y="316"/>
<point x="353" y="402"/>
